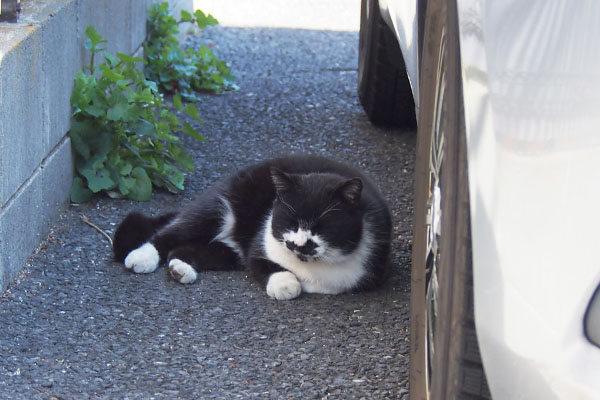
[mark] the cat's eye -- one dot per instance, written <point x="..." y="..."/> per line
<point x="330" y="211"/>
<point x="281" y="202"/>
<point x="326" y="218"/>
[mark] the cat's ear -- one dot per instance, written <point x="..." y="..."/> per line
<point x="350" y="191"/>
<point x="282" y="181"/>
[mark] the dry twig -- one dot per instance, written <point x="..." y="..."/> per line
<point x="106" y="235"/>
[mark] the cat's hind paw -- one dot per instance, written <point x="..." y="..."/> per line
<point x="283" y="286"/>
<point x="143" y="260"/>
<point x="182" y="272"/>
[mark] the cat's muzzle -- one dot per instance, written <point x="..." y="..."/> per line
<point x="306" y="252"/>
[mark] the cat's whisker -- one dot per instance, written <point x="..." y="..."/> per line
<point x="329" y="209"/>
<point x="289" y="207"/>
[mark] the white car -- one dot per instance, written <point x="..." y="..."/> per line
<point x="505" y="278"/>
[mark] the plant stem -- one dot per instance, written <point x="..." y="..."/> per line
<point x="93" y="50"/>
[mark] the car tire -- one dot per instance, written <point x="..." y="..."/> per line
<point x="383" y="86"/>
<point x="445" y="361"/>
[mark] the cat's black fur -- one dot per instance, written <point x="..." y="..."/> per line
<point x="335" y="202"/>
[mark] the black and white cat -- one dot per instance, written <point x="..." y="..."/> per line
<point x="297" y="223"/>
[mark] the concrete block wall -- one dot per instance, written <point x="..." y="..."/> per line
<point x="39" y="57"/>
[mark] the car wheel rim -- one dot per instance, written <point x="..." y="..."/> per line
<point x="434" y="217"/>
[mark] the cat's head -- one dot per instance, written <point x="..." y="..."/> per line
<point x="317" y="217"/>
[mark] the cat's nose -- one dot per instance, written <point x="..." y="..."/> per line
<point x="309" y="248"/>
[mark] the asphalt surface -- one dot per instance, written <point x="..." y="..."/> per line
<point x="77" y="325"/>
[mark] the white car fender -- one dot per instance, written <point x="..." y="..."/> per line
<point x="531" y="85"/>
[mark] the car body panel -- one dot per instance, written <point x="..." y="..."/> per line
<point x="402" y="17"/>
<point x="531" y="85"/>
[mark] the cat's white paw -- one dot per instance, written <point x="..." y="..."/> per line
<point x="182" y="272"/>
<point x="143" y="260"/>
<point x="283" y="286"/>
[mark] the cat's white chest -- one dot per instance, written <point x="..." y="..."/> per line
<point x="335" y="275"/>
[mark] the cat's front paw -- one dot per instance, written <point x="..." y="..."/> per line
<point x="143" y="260"/>
<point x="283" y="286"/>
<point x="182" y="272"/>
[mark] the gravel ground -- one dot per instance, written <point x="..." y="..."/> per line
<point x="76" y="325"/>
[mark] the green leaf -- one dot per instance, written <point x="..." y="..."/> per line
<point x="152" y="85"/>
<point x="167" y="85"/>
<point x="117" y="112"/>
<point x="143" y="128"/>
<point x="98" y="97"/>
<point x="123" y="112"/>
<point x="79" y="144"/>
<point x="114" y="160"/>
<point x="185" y="69"/>
<point x="130" y="59"/>
<point x="189" y="95"/>
<point x="202" y="20"/>
<point x="177" y="102"/>
<point x="94" y="37"/>
<point x="177" y="178"/>
<point x="123" y="84"/>
<point x="94" y="110"/>
<point x="111" y="60"/>
<point x="84" y="128"/>
<point x="186" y="16"/>
<point x="173" y="121"/>
<point x="104" y="145"/>
<point x="142" y="189"/>
<point x="133" y="150"/>
<point x="110" y="74"/>
<point x="98" y="177"/>
<point x="125" y="185"/>
<point x="164" y="7"/>
<point x="192" y="111"/>
<point x="145" y="98"/>
<point x="82" y="90"/>
<point x="191" y="132"/>
<point x="186" y="160"/>
<point x="126" y="169"/>
<point x="79" y="193"/>
<point x="100" y="180"/>
<point x="155" y="162"/>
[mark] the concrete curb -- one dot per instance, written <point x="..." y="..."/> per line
<point x="39" y="57"/>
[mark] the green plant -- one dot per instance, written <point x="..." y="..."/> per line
<point x="123" y="132"/>
<point x="182" y="71"/>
